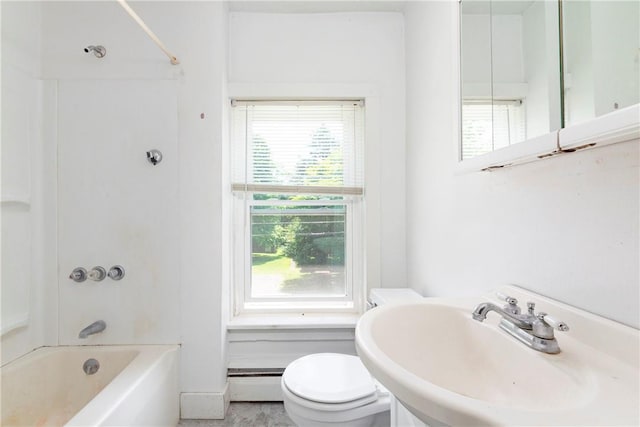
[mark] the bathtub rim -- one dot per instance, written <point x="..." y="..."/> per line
<point x="102" y="405"/>
<point x="123" y="385"/>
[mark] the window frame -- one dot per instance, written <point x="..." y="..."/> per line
<point x="355" y="246"/>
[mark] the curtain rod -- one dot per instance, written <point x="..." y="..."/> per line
<point x="147" y="30"/>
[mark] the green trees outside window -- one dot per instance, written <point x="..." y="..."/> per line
<point x="309" y="235"/>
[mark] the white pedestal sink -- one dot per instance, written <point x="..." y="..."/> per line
<point x="449" y="369"/>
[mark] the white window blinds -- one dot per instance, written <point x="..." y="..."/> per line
<point x="313" y="147"/>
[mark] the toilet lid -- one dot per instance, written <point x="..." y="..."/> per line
<point x="329" y="378"/>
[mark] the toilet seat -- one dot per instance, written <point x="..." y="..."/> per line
<point x="330" y="378"/>
<point x="358" y="413"/>
<point x="328" y="407"/>
<point x="328" y="389"/>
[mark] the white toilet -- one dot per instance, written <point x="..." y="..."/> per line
<point x="330" y="389"/>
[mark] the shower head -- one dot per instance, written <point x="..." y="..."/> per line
<point x="98" y="51"/>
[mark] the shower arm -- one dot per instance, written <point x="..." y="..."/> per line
<point x="147" y="30"/>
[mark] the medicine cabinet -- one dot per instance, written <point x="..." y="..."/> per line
<point x="531" y="70"/>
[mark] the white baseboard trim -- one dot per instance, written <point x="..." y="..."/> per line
<point x="255" y="389"/>
<point x="204" y="406"/>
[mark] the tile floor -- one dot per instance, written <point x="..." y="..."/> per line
<point x="247" y="414"/>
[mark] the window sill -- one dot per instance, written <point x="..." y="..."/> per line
<point x="293" y="321"/>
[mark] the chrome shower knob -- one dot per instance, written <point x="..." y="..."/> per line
<point x="116" y="272"/>
<point x="97" y="273"/>
<point x="78" y="275"/>
<point x="98" y="51"/>
<point x="154" y="156"/>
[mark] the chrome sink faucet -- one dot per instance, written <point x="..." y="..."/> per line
<point x="536" y="330"/>
<point x="94" y="328"/>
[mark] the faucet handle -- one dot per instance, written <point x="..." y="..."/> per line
<point x="512" y="303"/>
<point x="553" y="322"/>
<point x="506" y="298"/>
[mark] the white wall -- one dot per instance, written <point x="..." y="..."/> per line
<point x="184" y="200"/>
<point x="331" y="55"/>
<point x="29" y="311"/>
<point x="101" y="179"/>
<point x="566" y="227"/>
<point x="116" y="208"/>
<point x="347" y="49"/>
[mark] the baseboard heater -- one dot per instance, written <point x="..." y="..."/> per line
<point x="254" y="372"/>
<point x="255" y="384"/>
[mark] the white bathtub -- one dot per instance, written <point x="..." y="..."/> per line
<point x="135" y="386"/>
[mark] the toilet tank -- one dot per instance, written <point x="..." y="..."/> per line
<point x="381" y="296"/>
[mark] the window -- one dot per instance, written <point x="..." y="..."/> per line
<point x="297" y="183"/>
<point x="489" y="125"/>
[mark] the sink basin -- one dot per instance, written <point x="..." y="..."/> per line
<point x="447" y="368"/>
<point x="477" y="361"/>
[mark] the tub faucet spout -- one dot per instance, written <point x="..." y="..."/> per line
<point x="93" y="328"/>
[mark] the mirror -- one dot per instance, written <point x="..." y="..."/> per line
<point x="601" y="43"/>
<point x="510" y="70"/>
<point x="514" y="87"/>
